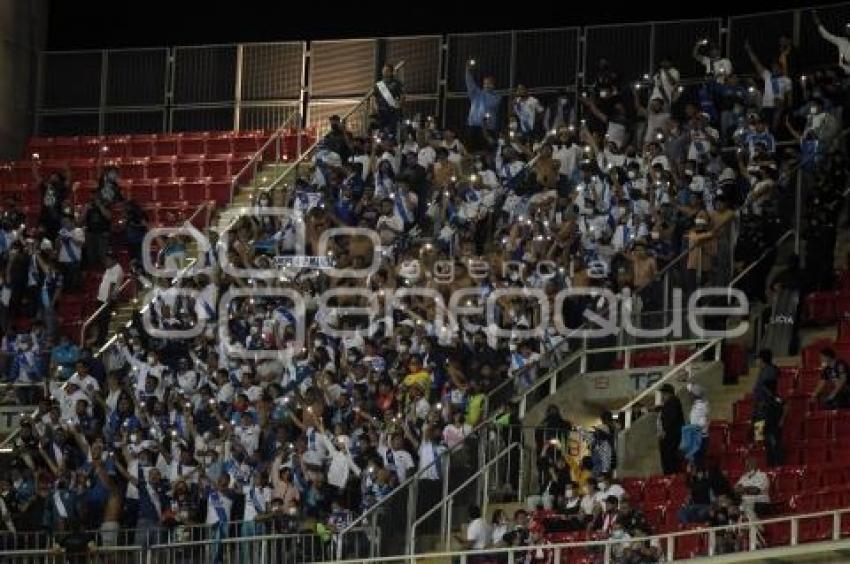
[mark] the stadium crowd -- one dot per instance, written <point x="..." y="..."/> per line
<point x="259" y="428"/>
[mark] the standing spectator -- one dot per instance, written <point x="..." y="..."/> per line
<point x="698" y="504"/>
<point x="768" y="377"/>
<point x="768" y="425"/>
<point x="71" y="240"/>
<point x="670" y="421"/>
<point x="389" y="97"/>
<point x="526" y="111"/>
<point x="483" y="110"/>
<point x="431" y="465"/>
<point x="98" y="223"/>
<point x="54" y="192"/>
<point x="699" y="419"/>
<point x="136" y="225"/>
<point x="112" y="278"/>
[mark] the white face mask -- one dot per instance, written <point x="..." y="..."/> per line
<point x="603" y="486"/>
<point x="570" y="492"/>
<point x="632" y="175"/>
<point x="317" y="343"/>
<point x="151" y="359"/>
<point x="402" y="348"/>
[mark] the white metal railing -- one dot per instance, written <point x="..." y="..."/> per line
<point x="750" y="543"/>
<point x="447" y="502"/>
<point x="675" y="371"/>
<point x="529" y="398"/>
<point x="409" y="485"/>
<point x="92" y="555"/>
<point x="276" y="138"/>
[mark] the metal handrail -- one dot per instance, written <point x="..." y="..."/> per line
<point x="764" y="255"/>
<point x="254" y="161"/>
<point x="87" y="323"/>
<point x="303" y="156"/>
<point x="449" y="499"/>
<point x="669" y="539"/>
<point x="565" y="343"/>
<point x="418" y="475"/>
<point x="627" y="409"/>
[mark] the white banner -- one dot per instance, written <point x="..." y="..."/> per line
<point x="303" y="261"/>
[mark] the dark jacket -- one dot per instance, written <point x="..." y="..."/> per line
<point x="672" y="420"/>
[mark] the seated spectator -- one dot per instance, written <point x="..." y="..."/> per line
<point x="833" y="383"/>
<point x="753" y="488"/>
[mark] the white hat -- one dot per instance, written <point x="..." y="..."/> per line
<point x="696" y="390"/>
<point x="46" y="245"/>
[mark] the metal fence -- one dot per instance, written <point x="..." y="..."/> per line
<point x="248" y="86"/>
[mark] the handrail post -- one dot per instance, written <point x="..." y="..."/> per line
<point x="448" y="523"/>
<point x="671" y="549"/>
<point x="836" y="525"/>
<point x="444" y="462"/>
<point x="606" y="555"/>
<point x="795" y="530"/>
<point x="753" y="537"/>
<point x="712" y="542"/>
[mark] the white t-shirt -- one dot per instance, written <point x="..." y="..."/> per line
<point x="112" y="276"/>
<point x="476" y="533"/>
<point x="248" y="437"/>
<point x="756" y="479"/>
<point x="567" y="156"/>
<point x="774" y="90"/>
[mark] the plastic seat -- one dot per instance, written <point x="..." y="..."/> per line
<point x="815" y="453"/>
<point x="655" y="516"/>
<point x="818" y="425"/>
<point x="161" y="167"/>
<point x="193" y="191"/>
<point x="141" y="146"/>
<point x="66" y="148"/>
<point x="219" y="191"/>
<point x="691" y="546"/>
<point x="188" y="168"/>
<point x="843" y="331"/>
<point x="135" y="169"/>
<point x="220" y="144"/>
<point x="819" y="308"/>
<point x="740" y="434"/>
<point x="217" y="168"/>
<point x="193" y="144"/>
<point x="140" y="191"/>
<point x="655" y="490"/>
<point x="167" y="145"/>
<point x="245" y="142"/>
<point x="743" y="410"/>
<point x="167" y="191"/>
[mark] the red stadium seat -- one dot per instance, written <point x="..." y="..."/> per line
<point x="220" y="144"/>
<point x="830" y="476"/>
<point x="843" y="331"/>
<point x="815" y="452"/>
<point x="167" y="145"/>
<point x="691" y="546"/>
<point x="193" y="191"/>
<point x="141" y="146"/>
<point x="167" y="192"/>
<point x="140" y="191"/>
<point x="135" y="169"/>
<point x="219" y="191"/>
<point x="654" y="516"/>
<point x="193" y="144"/>
<point x="819" y="308"/>
<point x="189" y="168"/>
<point x="818" y="425"/>
<point x="740" y="434"/>
<point x="83" y="169"/>
<point x="743" y="410"/>
<point x="245" y="142"/>
<point x="66" y="148"/>
<point x="217" y="167"/>
<point x="161" y="167"/>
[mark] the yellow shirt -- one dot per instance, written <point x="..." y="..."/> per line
<point x="474" y="407"/>
<point x="420" y="379"/>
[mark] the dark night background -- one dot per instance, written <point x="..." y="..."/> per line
<point x="147" y="23"/>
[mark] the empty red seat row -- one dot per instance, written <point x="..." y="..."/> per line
<point x="826" y="307"/>
<point x="657" y="489"/>
<point x="192" y="191"/>
<point x="148" y="145"/>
